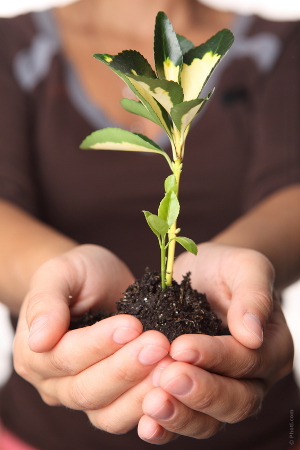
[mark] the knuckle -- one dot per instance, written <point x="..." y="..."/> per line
<point x="110" y="426"/>
<point x="181" y="424"/>
<point x="21" y="369"/>
<point x="213" y="428"/>
<point x="125" y="373"/>
<point x="61" y="364"/>
<point x="206" y="400"/>
<point x="51" y="401"/>
<point x="263" y="302"/>
<point x="250" y="405"/>
<point x="81" y="397"/>
<point x="250" y="366"/>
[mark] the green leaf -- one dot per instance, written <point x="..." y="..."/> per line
<point x="138" y="108"/>
<point x="167" y="93"/>
<point x="118" y="139"/>
<point x="188" y="244"/>
<point x="160" y="116"/>
<point x="158" y="225"/>
<point x="185" y="44"/>
<point x="199" y="63"/>
<point x="147" y="214"/>
<point x="169" y="208"/>
<point x="167" y="51"/>
<point x="128" y="61"/>
<point x="171" y="184"/>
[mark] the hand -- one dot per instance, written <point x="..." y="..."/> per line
<point x="239" y="285"/>
<point x="103" y="369"/>
<point x="213" y="380"/>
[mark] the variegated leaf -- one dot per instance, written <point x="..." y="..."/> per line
<point x="183" y="114"/>
<point x="185" y="44"/>
<point x="167" y="51"/>
<point x="118" y="139"/>
<point x="138" y="108"/>
<point x="128" y="61"/>
<point x="160" y="116"/>
<point x="167" y="93"/>
<point x="199" y="63"/>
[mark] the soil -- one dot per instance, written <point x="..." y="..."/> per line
<point x="178" y="309"/>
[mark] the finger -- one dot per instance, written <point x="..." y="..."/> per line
<point x="151" y="431"/>
<point x="100" y="384"/>
<point x="124" y="413"/>
<point x="47" y="303"/>
<point x="224" y="398"/>
<point x="224" y="355"/>
<point x="79" y="349"/>
<point x="251" y="302"/>
<point x="174" y="418"/>
<point x="76" y="281"/>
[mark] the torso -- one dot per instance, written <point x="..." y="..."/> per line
<point x="101" y="85"/>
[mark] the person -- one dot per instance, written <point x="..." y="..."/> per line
<point x="72" y="237"/>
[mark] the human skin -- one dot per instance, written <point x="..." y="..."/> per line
<point x="66" y="367"/>
<point x="131" y="395"/>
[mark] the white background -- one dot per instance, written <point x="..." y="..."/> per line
<point x="275" y="9"/>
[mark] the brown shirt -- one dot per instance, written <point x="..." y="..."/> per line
<point x="245" y="145"/>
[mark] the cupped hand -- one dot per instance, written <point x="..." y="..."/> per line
<point x="213" y="380"/>
<point x="238" y="283"/>
<point x="103" y="369"/>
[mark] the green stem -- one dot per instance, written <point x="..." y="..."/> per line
<point x="163" y="263"/>
<point x="172" y="234"/>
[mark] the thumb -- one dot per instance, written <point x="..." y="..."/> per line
<point x="251" y="303"/>
<point x="46" y="307"/>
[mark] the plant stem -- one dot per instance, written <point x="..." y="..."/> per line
<point x="172" y="234"/>
<point x="163" y="263"/>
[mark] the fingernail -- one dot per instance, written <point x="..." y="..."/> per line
<point x="164" y="412"/>
<point x="157" y="434"/>
<point x="253" y="324"/>
<point x="156" y="376"/>
<point x="188" y="356"/>
<point x="150" y="354"/>
<point x="181" y="385"/>
<point x="123" y="335"/>
<point x="36" y="327"/>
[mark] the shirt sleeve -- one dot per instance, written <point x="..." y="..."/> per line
<point x="275" y="162"/>
<point x="17" y="172"/>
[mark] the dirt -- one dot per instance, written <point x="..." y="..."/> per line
<point x="178" y="309"/>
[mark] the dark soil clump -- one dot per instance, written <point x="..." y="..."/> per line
<point x="173" y="311"/>
<point x="178" y="309"/>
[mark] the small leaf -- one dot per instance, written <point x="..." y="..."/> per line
<point x="184" y="113"/>
<point x="169" y="208"/>
<point x="188" y="244"/>
<point x="199" y="63"/>
<point x="138" y="108"/>
<point x="167" y="93"/>
<point x="185" y="44"/>
<point x="147" y="214"/>
<point x="118" y="139"/>
<point x="167" y="51"/>
<point x="171" y="184"/>
<point x="159" y="225"/>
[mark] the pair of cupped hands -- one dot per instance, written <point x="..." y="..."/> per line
<point x="121" y="377"/>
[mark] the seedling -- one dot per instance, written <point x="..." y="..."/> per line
<point x="169" y="97"/>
